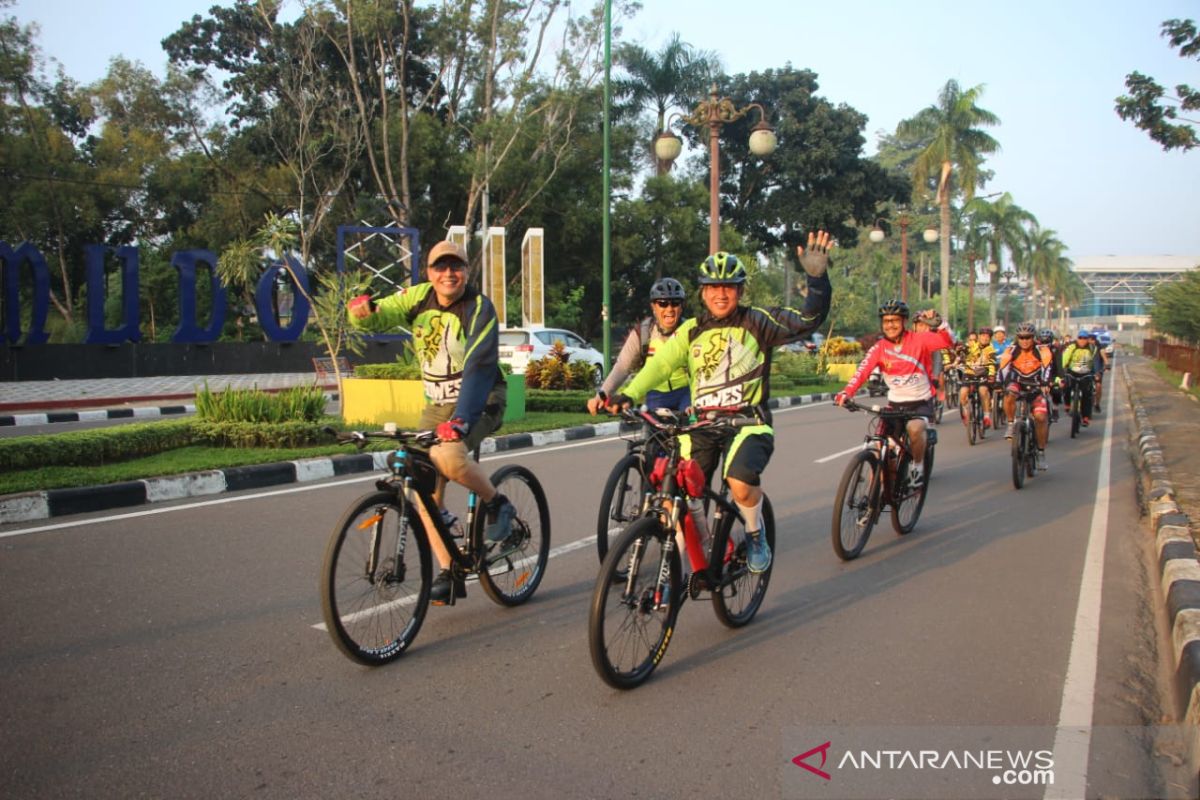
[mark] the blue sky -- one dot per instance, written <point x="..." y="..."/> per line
<point x="1051" y="70"/>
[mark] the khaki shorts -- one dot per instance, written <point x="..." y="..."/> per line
<point x="487" y="424"/>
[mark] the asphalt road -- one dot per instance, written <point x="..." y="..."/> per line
<point x="174" y="652"/>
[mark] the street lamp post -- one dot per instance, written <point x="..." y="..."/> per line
<point x="715" y="112"/>
<point x="877" y="235"/>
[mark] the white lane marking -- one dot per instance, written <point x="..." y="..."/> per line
<point x="578" y="544"/>
<point x="856" y="448"/>
<point x="294" y="489"/>
<point x="1074" y="735"/>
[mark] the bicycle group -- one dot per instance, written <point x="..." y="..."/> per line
<point x="682" y="514"/>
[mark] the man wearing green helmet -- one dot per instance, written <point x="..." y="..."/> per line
<point x="726" y="350"/>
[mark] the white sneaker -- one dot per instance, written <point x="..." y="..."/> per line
<point x="916" y="476"/>
<point x="1041" y="461"/>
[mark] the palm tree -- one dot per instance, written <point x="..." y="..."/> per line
<point x="1005" y="221"/>
<point x="1044" y="262"/>
<point x="674" y="77"/>
<point x="952" y="127"/>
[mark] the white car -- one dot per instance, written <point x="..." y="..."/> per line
<point x="519" y="346"/>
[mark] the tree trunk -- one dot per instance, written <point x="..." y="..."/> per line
<point x="945" y="257"/>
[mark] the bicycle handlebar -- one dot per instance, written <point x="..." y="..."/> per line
<point x="361" y="439"/>
<point x="879" y="411"/>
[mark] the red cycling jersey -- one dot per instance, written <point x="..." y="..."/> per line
<point x="906" y="365"/>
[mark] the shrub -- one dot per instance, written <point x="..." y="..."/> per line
<point x="554" y="372"/>
<point x="396" y="371"/>
<point x="100" y="446"/>
<point x="238" y="433"/>
<point x="541" y="400"/>
<point x="837" y="347"/>
<point x="299" y="403"/>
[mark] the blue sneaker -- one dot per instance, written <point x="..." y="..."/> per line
<point x="758" y="552"/>
<point x="501" y="513"/>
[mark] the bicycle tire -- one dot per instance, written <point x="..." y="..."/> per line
<point x="1075" y="419"/>
<point x="1018" y="456"/>
<point x="856" y="505"/>
<point x="511" y="573"/>
<point x="740" y="593"/>
<point x="621" y="500"/>
<point x="1030" y="450"/>
<point x="907" y="504"/>
<point x="939" y="409"/>
<point x="628" y="627"/>
<point x="373" y="618"/>
<point x="973" y="425"/>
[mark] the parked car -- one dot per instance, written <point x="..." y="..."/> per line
<point x="809" y="344"/>
<point x="519" y="346"/>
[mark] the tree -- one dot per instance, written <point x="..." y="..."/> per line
<point x="816" y="178"/>
<point x="677" y="76"/>
<point x="956" y="140"/>
<point x="1005" y="223"/>
<point x="1176" y="310"/>
<point x="1147" y="104"/>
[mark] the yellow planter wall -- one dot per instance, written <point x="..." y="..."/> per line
<point x="841" y="372"/>
<point x="373" y="401"/>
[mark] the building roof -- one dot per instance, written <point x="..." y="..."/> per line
<point x="1143" y="264"/>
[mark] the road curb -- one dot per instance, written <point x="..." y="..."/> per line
<point x="1178" y="559"/>
<point x="35" y="506"/>
<point x="99" y="414"/>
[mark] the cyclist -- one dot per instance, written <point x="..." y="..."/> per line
<point x="1025" y="359"/>
<point x="980" y="363"/>
<point x="454" y="331"/>
<point x="1101" y="365"/>
<point x="921" y="325"/>
<point x="666" y="306"/>
<point x="1046" y="337"/>
<point x="1079" y="359"/>
<point x="906" y="358"/>
<point x="726" y="349"/>
<point x="999" y="334"/>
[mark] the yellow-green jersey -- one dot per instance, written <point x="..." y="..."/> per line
<point x="980" y="360"/>
<point x="728" y="360"/>
<point x="458" y="347"/>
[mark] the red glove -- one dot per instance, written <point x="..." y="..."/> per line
<point x="361" y="307"/>
<point x="452" y="431"/>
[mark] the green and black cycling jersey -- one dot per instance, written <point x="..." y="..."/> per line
<point x="458" y="347"/>
<point x="728" y="360"/>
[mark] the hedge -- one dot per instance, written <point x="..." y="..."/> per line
<point x="553" y="400"/>
<point x="89" y="448"/>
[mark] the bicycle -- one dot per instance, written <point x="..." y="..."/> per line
<point x="375" y="593"/>
<point x="1076" y="386"/>
<point x="640" y="588"/>
<point x="877" y="477"/>
<point x="1024" y="441"/>
<point x="953" y="375"/>
<point x="976" y="430"/>
<point x="625" y="492"/>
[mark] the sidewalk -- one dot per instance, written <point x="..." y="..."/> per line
<point x="41" y="402"/>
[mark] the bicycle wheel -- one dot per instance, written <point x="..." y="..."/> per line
<point x="908" y="502"/>
<point x="621" y="500"/>
<point x="1030" y="449"/>
<point x="856" y="505"/>
<point x="631" y="621"/>
<point x="974" y="425"/>
<point x="740" y="593"/>
<point x="374" y="584"/>
<point x="939" y="409"/>
<point x="1018" y="456"/>
<point x="515" y="566"/>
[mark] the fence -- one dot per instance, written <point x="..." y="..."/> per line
<point x="1178" y="357"/>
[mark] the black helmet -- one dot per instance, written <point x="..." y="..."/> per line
<point x="722" y="267"/>
<point x="667" y="289"/>
<point x="894" y="307"/>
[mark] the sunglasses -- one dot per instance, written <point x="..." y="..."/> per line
<point x="442" y="266"/>
<point x="668" y="303"/>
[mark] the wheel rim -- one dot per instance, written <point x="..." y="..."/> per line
<point x="635" y="621"/>
<point x="376" y="613"/>
<point x="516" y="564"/>
<point x="855" y="512"/>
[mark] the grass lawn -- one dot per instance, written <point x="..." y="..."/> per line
<point x="199" y="458"/>
<point x="1176" y="378"/>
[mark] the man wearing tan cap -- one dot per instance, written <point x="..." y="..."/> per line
<point x="455" y="338"/>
